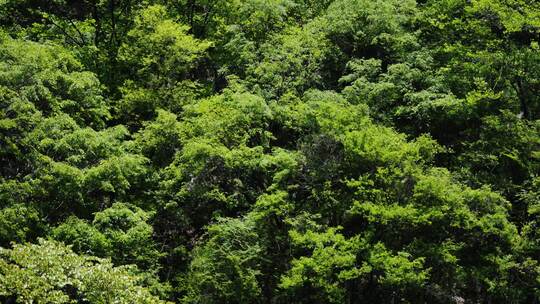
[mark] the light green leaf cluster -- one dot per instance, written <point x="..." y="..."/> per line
<point x="50" y="272"/>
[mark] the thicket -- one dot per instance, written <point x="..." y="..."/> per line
<point x="269" y="151"/>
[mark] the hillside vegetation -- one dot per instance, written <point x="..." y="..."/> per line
<point x="270" y="151"/>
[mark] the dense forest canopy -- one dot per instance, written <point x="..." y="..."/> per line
<point x="269" y="151"/>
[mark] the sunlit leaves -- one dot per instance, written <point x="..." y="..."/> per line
<point x="49" y="272"/>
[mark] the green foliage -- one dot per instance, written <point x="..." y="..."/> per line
<point x="53" y="80"/>
<point x="371" y="28"/>
<point x="269" y="151"/>
<point x="49" y="272"/>
<point x="514" y="16"/>
<point x="83" y="237"/>
<point x="292" y="62"/>
<point x="120" y="233"/>
<point x="225" y="268"/>
<point x="126" y="228"/>
<point x="19" y="223"/>
<point x="159" y="55"/>
<point x="317" y="277"/>
<point x="160" y="139"/>
<point x="158" y="47"/>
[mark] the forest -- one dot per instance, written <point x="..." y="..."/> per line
<point x="270" y="151"/>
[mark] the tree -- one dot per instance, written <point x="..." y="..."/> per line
<point x="49" y="272"/>
<point x="159" y="56"/>
<point x="226" y="267"/>
<point x="269" y="151"/>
